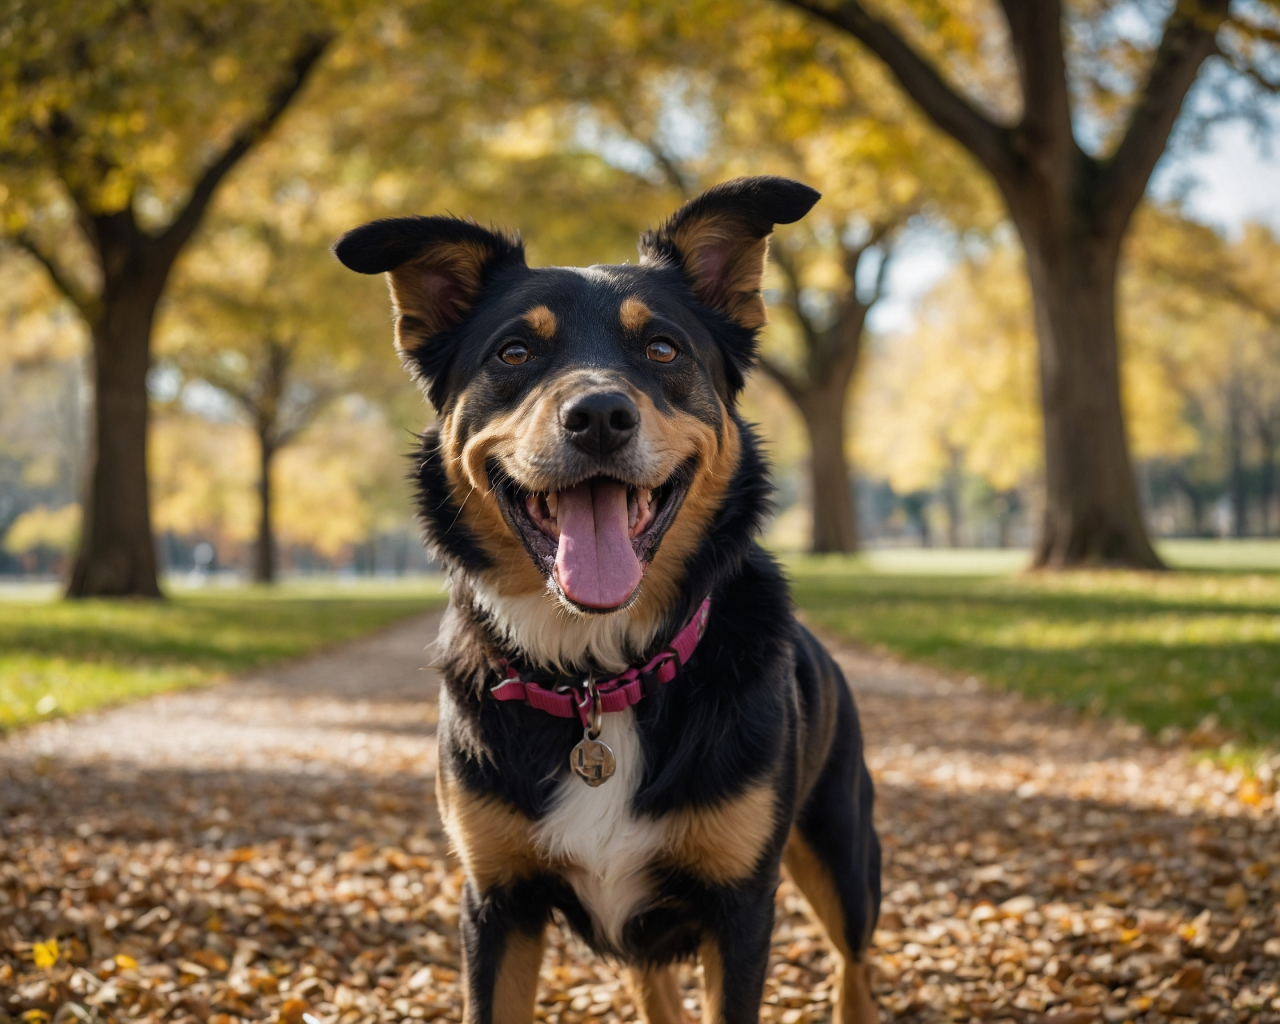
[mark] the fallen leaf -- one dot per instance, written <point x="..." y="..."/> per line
<point x="45" y="954"/>
<point x="292" y="1010"/>
<point x="208" y="958"/>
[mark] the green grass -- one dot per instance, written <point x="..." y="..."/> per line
<point x="1162" y="650"/>
<point x="59" y="657"/>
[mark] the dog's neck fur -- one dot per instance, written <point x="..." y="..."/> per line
<point x="547" y="635"/>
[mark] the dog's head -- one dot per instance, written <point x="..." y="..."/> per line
<point x="585" y="415"/>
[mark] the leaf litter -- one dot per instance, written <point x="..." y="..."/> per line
<point x="182" y="861"/>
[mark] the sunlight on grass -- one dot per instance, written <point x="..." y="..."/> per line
<point x="61" y="657"/>
<point x="1159" y="649"/>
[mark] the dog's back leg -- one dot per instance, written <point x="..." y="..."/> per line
<point x="657" y="992"/>
<point x="833" y="855"/>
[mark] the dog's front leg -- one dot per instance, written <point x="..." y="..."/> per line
<point x="502" y="938"/>
<point x="734" y="960"/>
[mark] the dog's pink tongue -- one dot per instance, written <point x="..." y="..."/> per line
<point x="595" y="563"/>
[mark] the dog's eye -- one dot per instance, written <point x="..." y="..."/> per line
<point x="660" y="350"/>
<point x="515" y="354"/>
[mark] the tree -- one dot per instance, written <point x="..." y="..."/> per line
<point x="732" y="92"/>
<point x="41" y="382"/>
<point x="1204" y="320"/>
<point x="832" y="351"/>
<point x="954" y="400"/>
<point x="1071" y="207"/>
<point x="120" y="123"/>
<point x="259" y="314"/>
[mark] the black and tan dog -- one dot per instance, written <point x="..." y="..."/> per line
<point x="595" y="498"/>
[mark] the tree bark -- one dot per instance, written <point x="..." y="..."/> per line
<point x="835" y="520"/>
<point x="116" y="556"/>
<point x="264" y="563"/>
<point x="1092" y="514"/>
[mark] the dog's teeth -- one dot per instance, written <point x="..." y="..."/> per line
<point x="553" y="503"/>
<point x="643" y="514"/>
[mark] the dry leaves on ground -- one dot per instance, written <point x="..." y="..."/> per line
<point x="1038" y="869"/>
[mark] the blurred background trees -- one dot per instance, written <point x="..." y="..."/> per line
<point x="170" y="180"/>
<point x="1068" y="108"/>
<point x="120" y="121"/>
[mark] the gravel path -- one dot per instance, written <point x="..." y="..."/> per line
<point x="270" y="848"/>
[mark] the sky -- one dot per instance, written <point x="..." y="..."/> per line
<point x="1232" y="179"/>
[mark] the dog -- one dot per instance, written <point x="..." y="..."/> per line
<point x="635" y="732"/>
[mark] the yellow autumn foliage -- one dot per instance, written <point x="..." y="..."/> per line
<point x="960" y="387"/>
<point x="43" y="527"/>
<point x="202" y="478"/>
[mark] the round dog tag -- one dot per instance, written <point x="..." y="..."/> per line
<point x="593" y="761"/>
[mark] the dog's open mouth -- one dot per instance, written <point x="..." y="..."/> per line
<point x="594" y="539"/>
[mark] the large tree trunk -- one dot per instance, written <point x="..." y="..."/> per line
<point x="116" y="556"/>
<point x="1092" y="515"/>
<point x="264" y="562"/>
<point x="835" y="521"/>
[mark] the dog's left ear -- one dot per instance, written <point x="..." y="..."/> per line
<point x="721" y="239"/>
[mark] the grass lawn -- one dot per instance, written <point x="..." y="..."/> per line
<point x="1162" y="650"/>
<point x="60" y="657"/>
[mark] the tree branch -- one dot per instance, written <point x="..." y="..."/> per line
<point x="1035" y="30"/>
<point x="783" y="378"/>
<point x="172" y="240"/>
<point x="87" y="304"/>
<point x="670" y="169"/>
<point x="882" y="276"/>
<point x="812" y="337"/>
<point x="950" y="111"/>
<point x="1189" y="39"/>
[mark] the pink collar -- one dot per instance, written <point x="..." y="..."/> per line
<point x="616" y="694"/>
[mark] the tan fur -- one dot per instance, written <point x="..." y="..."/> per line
<point x="542" y="322"/>
<point x="723" y="844"/>
<point x="719" y="457"/>
<point x="854" y="1003"/>
<point x="712" y="982"/>
<point x="514" y="572"/>
<point x="657" y="993"/>
<point x="411" y="296"/>
<point x="492" y="839"/>
<point x="516" y="989"/>
<point x="732" y="286"/>
<point x="634" y="314"/>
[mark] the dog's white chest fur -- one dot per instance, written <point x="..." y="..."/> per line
<point x="593" y="830"/>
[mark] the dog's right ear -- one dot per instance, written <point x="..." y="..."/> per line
<point x="436" y="267"/>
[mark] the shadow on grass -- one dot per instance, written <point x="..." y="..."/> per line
<point x="1161" y="659"/>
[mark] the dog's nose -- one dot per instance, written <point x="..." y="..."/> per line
<point x="600" y="423"/>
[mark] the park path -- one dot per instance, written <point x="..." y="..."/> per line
<point x="270" y="847"/>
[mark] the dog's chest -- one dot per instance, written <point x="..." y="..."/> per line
<point x="606" y="848"/>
